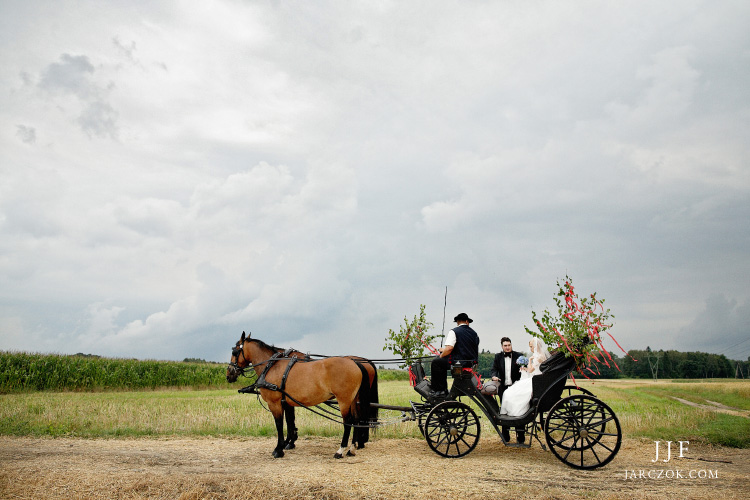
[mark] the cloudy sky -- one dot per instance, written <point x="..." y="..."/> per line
<point x="173" y="173"/>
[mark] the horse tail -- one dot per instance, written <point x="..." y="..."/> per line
<point x="374" y="398"/>
<point x="362" y="409"/>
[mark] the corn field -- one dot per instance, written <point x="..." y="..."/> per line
<point x="21" y="372"/>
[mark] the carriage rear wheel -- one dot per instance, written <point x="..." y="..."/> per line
<point x="571" y="390"/>
<point x="452" y="429"/>
<point x="583" y="432"/>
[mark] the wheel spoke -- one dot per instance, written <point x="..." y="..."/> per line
<point x="565" y="438"/>
<point x="560" y="428"/>
<point x="605" y="447"/>
<point x="601" y="422"/>
<point x="592" y="431"/>
<point x="571" y="449"/>
<point x="591" y="447"/>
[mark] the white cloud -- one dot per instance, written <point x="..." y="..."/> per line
<point x="313" y="173"/>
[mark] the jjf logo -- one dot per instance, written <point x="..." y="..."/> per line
<point x="683" y="449"/>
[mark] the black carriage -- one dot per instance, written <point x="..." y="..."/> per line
<point x="581" y="431"/>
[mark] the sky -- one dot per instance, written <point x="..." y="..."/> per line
<point x="175" y="173"/>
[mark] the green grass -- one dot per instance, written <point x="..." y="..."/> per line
<point x="22" y="372"/>
<point x="647" y="409"/>
<point x="644" y="409"/>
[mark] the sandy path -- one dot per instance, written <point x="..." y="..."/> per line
<point x="388" y="469"/>
<point x="714" y="406"/>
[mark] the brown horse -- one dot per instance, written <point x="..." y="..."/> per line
<point x="308" y="383"/>
<point x="361" y="433"/>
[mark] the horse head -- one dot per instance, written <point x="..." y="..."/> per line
<point x="239" y="359"/>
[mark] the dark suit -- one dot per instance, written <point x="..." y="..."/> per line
<point x="498" y="370"/>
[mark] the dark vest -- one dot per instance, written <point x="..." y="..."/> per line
<point x="467" y="345"/>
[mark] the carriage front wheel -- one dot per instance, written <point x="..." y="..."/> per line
<point x="452" y="429"/>
<point x="583" y="432"/>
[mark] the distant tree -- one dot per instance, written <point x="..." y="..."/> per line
<point x="666" y="365"/>
<point x="485" y="363"/>
<point x="691" y="366"/>
<point x="633" y="369"/>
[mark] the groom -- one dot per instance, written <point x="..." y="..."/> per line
<point x="506" y="371"/>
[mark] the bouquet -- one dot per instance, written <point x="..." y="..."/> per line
<point x="522" y="361"/>
<point x="578" y="328"/>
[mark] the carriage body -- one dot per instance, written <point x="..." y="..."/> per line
<point x="580" y="430"/>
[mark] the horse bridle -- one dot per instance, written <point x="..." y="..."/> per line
<point x="236" y="351"/>
<point x="240" y="370"/>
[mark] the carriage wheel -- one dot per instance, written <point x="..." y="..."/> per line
<point x="571" y="390"/>
<point x="583" y="432"/>
<point x="568" y="390"/>
<point x="452" y="429"/>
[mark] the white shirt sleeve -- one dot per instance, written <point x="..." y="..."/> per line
<point x="450" y="339"/>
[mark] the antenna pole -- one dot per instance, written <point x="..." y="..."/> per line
<point x="445" y="303"/>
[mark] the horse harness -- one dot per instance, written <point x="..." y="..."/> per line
<point x="262" y="383"/>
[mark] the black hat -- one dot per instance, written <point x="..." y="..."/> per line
<point x="463" y="317"/>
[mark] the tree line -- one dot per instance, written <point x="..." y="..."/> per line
<point x="656" y="365"/>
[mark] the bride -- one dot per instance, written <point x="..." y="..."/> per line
<point x="517" y="398"/>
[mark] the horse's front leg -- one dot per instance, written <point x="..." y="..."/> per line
<point x="291" y="430"/>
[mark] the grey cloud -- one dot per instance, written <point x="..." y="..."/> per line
<point x="316" y="181"/>
<point x="100" y="119"/>
<point x="74" y="75"/>
<point x="721" y="327"/>
<point x="70" y="75"/>
<point x="26" y="134"/>
<point x="127" y="50"/>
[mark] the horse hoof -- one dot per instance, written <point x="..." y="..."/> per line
<point x="278" y="453"/>
<point x="290" y="446"/>
<point x="360" y="446"/>
<point x="350" y="453"/>
<point x="338" y="455"/>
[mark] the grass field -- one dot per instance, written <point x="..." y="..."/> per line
<point x="20" y="372"/>
<point x="645" y="409"/>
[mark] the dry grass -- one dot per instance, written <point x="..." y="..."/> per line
<point x="229" y="469"/>
<point x="183" y="466"/>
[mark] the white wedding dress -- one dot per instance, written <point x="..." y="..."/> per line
<point x="517" y="397"/>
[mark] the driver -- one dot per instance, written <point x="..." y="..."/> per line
<point x="461" y="345"/>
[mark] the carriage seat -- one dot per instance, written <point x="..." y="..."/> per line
<point x="547" y="389"/>
<point x="521" y="420"/>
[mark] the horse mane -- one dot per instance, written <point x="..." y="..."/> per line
<point x="263" y="345"/>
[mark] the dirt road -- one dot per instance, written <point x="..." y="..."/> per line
<point x="237" y="468"/>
